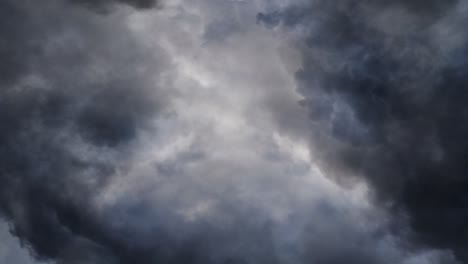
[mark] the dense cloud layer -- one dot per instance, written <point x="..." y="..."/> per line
<point x="384" y="83"/>
<point x="150" y="137"/>
<point x="103" y="5"/>
<point x="72" y="93"/>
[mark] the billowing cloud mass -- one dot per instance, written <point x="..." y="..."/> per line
<point x="208" y="131"/>
<point x="75" y="92"/>
<point x="384" y="86"/>
<point x="104" y="4"/>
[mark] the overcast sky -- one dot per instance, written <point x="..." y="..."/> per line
<point x="233" y="132"/>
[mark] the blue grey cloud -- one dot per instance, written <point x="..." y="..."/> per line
<point x="385" y="95"/>
<point x="146" y="132"/>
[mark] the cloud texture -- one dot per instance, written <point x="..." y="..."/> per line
<point x="384" y="85"/>
<point x="207" y="131"/>
<point x="71" y="96"/>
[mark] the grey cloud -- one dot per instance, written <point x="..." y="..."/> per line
<point x="86" y="174"/>
<point x="103" y="5"/>
<point x="65" y="82"/>
<point x="11" y="251"/>
<point x="385" y="95"/>
<point x="219" y="30"/>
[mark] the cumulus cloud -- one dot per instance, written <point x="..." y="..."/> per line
<point x="73" y="94"/>
<point x="103" y="5"/>
<point x="383" y="83"/>
<point x="175" y="135"/>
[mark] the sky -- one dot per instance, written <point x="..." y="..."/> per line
<point x="233" y="131"/>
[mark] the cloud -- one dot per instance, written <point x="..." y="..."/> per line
<point x="72" y="94"/>
<point x="384" y="91"/>
<point x="147" y="137"/>
<point x="102" y="5"/>
<point x="11" y="251"/>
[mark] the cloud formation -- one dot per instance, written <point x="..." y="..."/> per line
<point x="153" y="137"/>
<point x="384" y="86"/>
<point x="72" y="93"/>
<point x="102" y="5"/>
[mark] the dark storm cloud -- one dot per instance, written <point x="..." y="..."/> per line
<point x="105" y="4"/>
<point x="66" y="80"/>
<point x="78" y="92"/>
<point x="386" y="94"/>
<point x="74" y="97"/>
